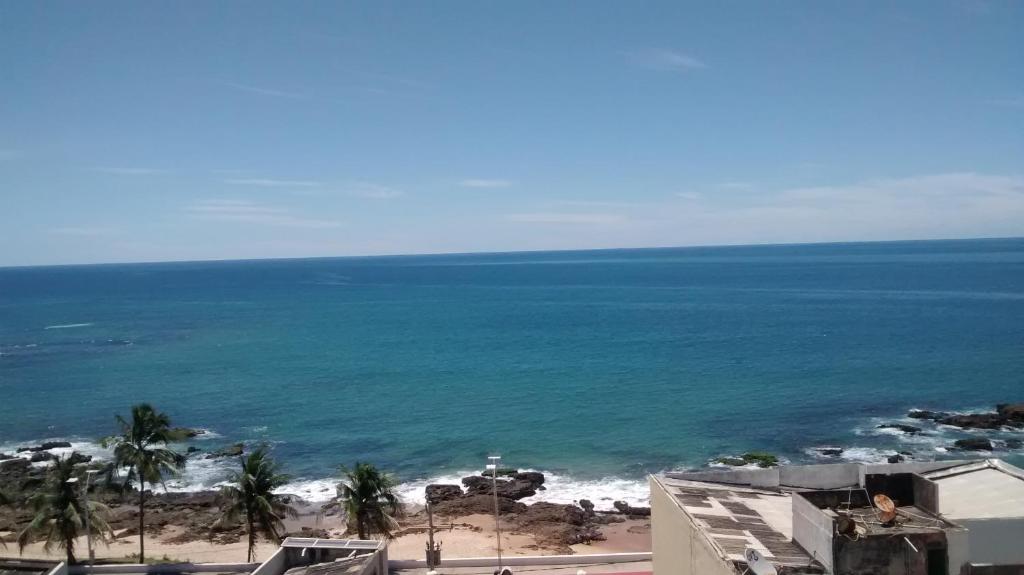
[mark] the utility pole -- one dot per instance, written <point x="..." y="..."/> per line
<point x="493" y="467"/>
<point x="88" y="524"/>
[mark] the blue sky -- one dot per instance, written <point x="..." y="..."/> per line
<point x="142" y="131"/>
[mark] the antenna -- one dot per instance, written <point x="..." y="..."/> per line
<point x="887" y="507"/>
<point x="757" y="562"/>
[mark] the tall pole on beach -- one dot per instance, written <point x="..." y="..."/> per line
<point x="88" y="525"/>
<point x="493" y="467"/>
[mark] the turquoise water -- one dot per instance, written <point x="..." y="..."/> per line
<point x="594" y="364"/>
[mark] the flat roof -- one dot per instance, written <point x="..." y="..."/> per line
<point x="314" y="543"/>
<point x="733" y="518"/>
<point x="984" y="490"/>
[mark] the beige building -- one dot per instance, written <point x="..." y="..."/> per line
<point x="949" y="518"/>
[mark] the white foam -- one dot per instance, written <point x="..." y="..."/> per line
<point x="558" y="489"/>
<point x="67" y="325"/>
<point x="312" y="490"/>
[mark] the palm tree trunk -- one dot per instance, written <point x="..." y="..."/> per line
<point x="68" y="546"/>
<point x="361" y="525"/>
<point x="142" y="521"/>
<point x="252" y="541"/>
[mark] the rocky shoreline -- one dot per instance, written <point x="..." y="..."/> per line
<point x="184" y="517"/>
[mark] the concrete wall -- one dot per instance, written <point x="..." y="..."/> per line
<point x="131" y="568"/>
<point x="525" y="560"/>
<point x="958" y="542"/>
<point x="886" y="554"/>
<point x="812" y="530"/>
<point x="678" y="547"/>
<point x="995" y="541"/>
<point x="275" y="564"/>
<point x="826" y="476"/>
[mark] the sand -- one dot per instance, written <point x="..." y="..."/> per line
<point x="470" y="536"/>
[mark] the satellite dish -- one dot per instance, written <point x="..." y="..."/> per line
<point x="757" y="562"/>
<point x="887" y="508"/>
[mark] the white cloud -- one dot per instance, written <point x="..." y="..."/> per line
<point x="262" y="91"/>
<point x="272" y="183"/>
<point x="666" y="60"/>
<point x="484" y="183"/>
<point x="693" y="196"/>
<point x="129" y="171"/>
<point x="373" y="191"/>
<point x="566" y="218"/>
<point x="244" y="211"/>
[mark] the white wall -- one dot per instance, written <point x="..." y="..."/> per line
<point x="678" y="547"/>
<point x="812" y="530"/>
<point x="995" y="541"/>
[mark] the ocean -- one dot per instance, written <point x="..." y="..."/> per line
<point x="596" y="367"/>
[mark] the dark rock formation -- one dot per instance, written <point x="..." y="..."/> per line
<point x="925" y="414"/>
<point x="896" y="458"/>
<point x="77" y="458"/>
<point x="230" y="451"/>
<point x="973" y="444"/>
<point x="587" y="506"/>
<point x="1006" y="415"/>
<point x="830" y="451"/>
<point x="501" y="472"/>
<point x="627" y="509"/>
<point x="1014" y="443"/>
<point x="46" y="445"/>
<point x="38" y="456"/>
<point x="187" y="432"/>
<point x="474" y="504"/>
<point x="908" y="429"/>
<point x="520" y="486"/>
<point x="17" y="464"/>
<point x="437" y="493"/>
<point x="4" y="456"/>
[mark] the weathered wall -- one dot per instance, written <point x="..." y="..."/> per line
<point x="996" y="541"/>
<point x="678" y="547"/>
<point x="812" y="530"/>
<point x="885" y="554"/>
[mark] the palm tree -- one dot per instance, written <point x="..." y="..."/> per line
<point x="252" y="497"/>
<point x="60" y="512"/>
<point x="141" y="449"/>
<point x="369" y="499"/>
<point x="4" y="500"/>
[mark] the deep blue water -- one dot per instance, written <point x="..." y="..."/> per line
<point x="591" y="364"/>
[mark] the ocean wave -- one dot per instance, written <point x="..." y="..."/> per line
<point x="67" y="325"/>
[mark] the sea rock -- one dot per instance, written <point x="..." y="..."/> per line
<point x="501" y="472"/>
<point x="1014" y="443"/>
<point x="1011" y="411"/>
<point x="76" y="458"/>
<point x="230" y="451"/>
<point x="521" y="485"/>
<point x="544" y="511"/>
<point x="5" y="456"/>
<point x="187" y="432"/>
<point x="436" y="493"/>
<point x="896" y="458"/>
<point x="760" y="458"/>
<point x="975" y="421"/>
<point x="14" y="465"/>
<point x="192" y="449"/>
<point x="587" y="506"/>
<point x="973" y="444"/>
<point x="44" y="446"/>
<point x="925" y="414"/>
<point x="475" y="504"/>
<point x="908" y="429"/>
<point x="627" y="509"/>
<point x="830" y="451"/>
<point x="38" y="456"/>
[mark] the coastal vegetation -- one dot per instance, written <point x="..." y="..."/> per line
<point x="251" y="498"/>
<point x="368" y="496"/>
<point x="141" y="450"/>
<point x="759" y="458"/>
<point x="60" y="514"/>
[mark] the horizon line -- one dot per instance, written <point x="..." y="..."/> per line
<point x="512" y="252"/>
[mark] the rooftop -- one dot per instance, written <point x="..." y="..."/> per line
<point x="734" y="518"/>
<point x="982" y="490"/>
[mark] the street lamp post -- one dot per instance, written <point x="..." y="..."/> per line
<point x="493" y="467"/>
<point x="88" y="525"/>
